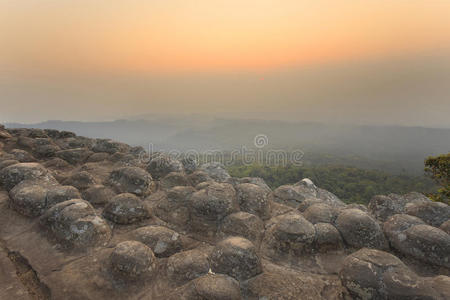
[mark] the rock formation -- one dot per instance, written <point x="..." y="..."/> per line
<point x="85" y="218"/>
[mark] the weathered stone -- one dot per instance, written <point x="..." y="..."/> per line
<point x="132" y="259"/>
<point x="243" y="224"/>
<point x="97" y="157"/>
<point x="432" y="213"/>
<point x="254" y="199"/>
<point x="75" y="222"/>
<point x="74" y="156"/>
<point x="163" y="241"/>
<point x="57" y="194"/>
<point x="374" y="274"/>
<point x="188" y="265"/>
<point x="288" y="235"/>
<point x="446" y="227"/>
<point x="174" y="179"/>
<point x="412" y="237"/>
<point x="8" y="162"/>
<point x="126" y="209"/>
<point x="12" y="175"/>
<point x="236" y="257"/>
<point x="255" y="180"/>
<point x="216" y="171"/>
<point x="209" y="287"/>
<point x="130" y="180"/>
<point x="382" y="207"/>
<point x="327" y="238"/>
<point x="98" y="194"/>
<point x="29" y="198"/>
<point x="22" y="156"/>
<point x="198" y="177"/>
<point x="81" y="180"/>
<point x="189" y="164"/>
<point x="360" y="230"/>
<point x="162" y="164"/>
<point x="210" y="205"/>
<point x="109" y="146"/>
<point x="173" y="207"/>
<point x="320" y="213"/>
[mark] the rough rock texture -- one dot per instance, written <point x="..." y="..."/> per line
<point x="432" y="213"/>
<point x="132" y="259"/>
<point x="14" y="174"/>
<point x="198" y="233"/>
<point x="126" y="209"/>
<point x="359" y="229"/>
<point x="188" y="265"/>
<point x="98" y="194"/>
<point x="374" y="274"/>
<point x="254" y="199"/>
<point x="163" y="241"/>
<point x="412" y="237"/>
<point x="243" y="224"/>
<point x="210" y="286"/>
<point x="236" y="257"/>
<point x="130" y="180"/>
<point x="76" y="223"/>
<point x="210" y="205"/>
<point x="295" y="195"/>
<point x="216" y="171"/>
<point x="289" y="234"/>
<point x="161" y="165"/>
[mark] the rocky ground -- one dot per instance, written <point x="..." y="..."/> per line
<point x="88" y="218"/>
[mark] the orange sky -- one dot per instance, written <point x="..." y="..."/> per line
<point x="174" y="35"/>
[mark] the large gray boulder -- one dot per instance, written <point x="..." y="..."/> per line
<point x="98" y="194"/>
<point x="320" y="213"/>
<point x="74" y="156"/>
<point x="360" y="230"/>
<point x="412" y="237"/>
<point x="162" y="164"/>
<point x="210" y="205"/>
<point x="76" y="224"/>
<point x="132" y="259"/>
<point x="82" y="180"/>
<point x="294" y="195"/>
<point x="14" y="174"/>
<point x="327" y="238"/>
<point x="209" y="287"/>
<point x="109" y="146"/>
<point x="29" y="198"/>
<point x="188" y="265"/>
<point x="216" y="171"/>
<point x="22" y="156"/>
<point x="236" y="257"/>
<point x="382" y="207"/>
<point x="130" y="180"/>
<point x="174" y="179"/>
<point x="163" y="241"/>
<point x="61" y="193"/>
<point x="173" y="206"/>
<point x="243" y="224"/>
<point x="254" y="199"/>
<point x="126" y="208"/>
<point x="432" y="213"/>
<point x="374" y="274"/>
<point x="288" y="235"/>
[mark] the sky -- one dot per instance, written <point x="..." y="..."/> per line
<point x="366" y="61"/>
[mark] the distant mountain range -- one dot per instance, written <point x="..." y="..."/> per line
<point x="391" y="148"/>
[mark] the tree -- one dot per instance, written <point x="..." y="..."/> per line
<point x="438" y="168"/>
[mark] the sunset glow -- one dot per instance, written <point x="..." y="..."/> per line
<point x="209" y="35"/>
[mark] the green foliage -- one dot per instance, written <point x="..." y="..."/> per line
<point x="351" y="184"/>
<point x="438" y="168"/>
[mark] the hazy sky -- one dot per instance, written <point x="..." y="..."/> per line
<point x="374" y="61"/>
